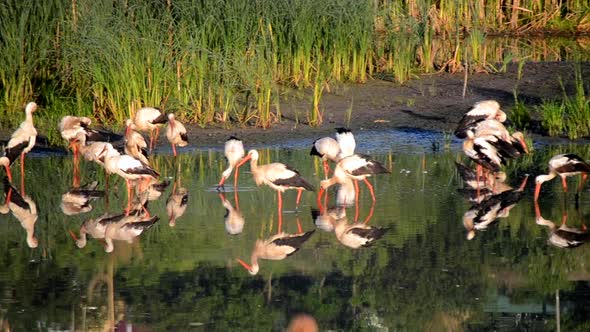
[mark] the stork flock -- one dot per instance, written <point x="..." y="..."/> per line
<point x="486" y="141"/>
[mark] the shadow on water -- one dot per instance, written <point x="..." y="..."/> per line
<point x="421" y="274"/>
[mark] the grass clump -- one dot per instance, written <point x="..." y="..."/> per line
<point x="224" y="61"/>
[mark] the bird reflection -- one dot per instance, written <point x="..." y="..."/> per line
<point x="127" y="229"/>
<point x="354" y="235"/>
<point x="492" y="183"/>
<point x="483" y="214"/>
<point x="96" y="227"/>
<point x="77" y="200"/>
<point x="276" y="247"/>
<point x="563" y="236"/>
<point x="155" y="189"/>
<point x="234" y="220"/>
<point x="23" y="208"/>
<point x="176" y="204"/>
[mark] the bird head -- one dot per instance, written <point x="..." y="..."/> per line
<point x="252" y="154"/>
<point x="31" y="107"/>
<point x="252" y="269"/>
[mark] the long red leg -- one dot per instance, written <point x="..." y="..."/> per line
<point x="299" y="228"/>
<point x="8" y="196"/>
<point x="156" y="137"/>
<point x="326" y="168"/>
<point x="370" y="188"/>
<point x="371" y="211"/>
<point x="356" y="192"/>
<point x="280" y="211"/>
<point x="22" y="173"/>
<point x="356" y="200"/>
<point x="299" y="192"/>
<point x="128" y="197"/>
<point x="478" y="170"/>
<point x="564" y="183"/>
<point x="8" y="173"/>
<point x="174" y="149"/>
<point x="584" y="178"/>
<point x="236" y="174"/>
<point x="151" y="140"/>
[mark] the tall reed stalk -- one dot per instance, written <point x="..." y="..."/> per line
<point x="214" y="61"/>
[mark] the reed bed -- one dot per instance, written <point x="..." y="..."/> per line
<point x="224" y="61"/>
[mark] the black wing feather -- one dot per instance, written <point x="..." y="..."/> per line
<point x="15" y="196"/>
<point x="162" y="118"/>
<point x="14" y="152"/>
<point x="294" y="241"/>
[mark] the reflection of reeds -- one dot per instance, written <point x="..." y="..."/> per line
<point x="222" y="61"/>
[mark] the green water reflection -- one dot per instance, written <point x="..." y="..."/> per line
<point x="422" y="275"/>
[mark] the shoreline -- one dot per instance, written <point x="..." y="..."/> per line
<point x="431" y="102"/>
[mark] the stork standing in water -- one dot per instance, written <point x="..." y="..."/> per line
<point x="69" y="128"/>
<point x="564" y="165"/>
<point x="21" y="142"/>
<point x="355" y="167"/>
<point x="92" y="152"/>
<point x="234" y="153"/>
<point x="128" y="168"/>
<point x="277" y="247"/>
<point x="279" y="177"/>
<point x="346" y="141"/>
<point x="150" y="119"/>
<point x="135" y="144"/>
<point x="176" y="133"/>
<point x="326" y="148"/>
<point x="481" y="111"/>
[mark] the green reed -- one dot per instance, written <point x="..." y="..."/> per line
<point x="223" y="61"/>
<point x="552" y="113"/>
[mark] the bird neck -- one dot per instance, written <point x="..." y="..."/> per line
<point x="29" y="117"/>
<point x="329" y="182"/>
<point x="81" y="242"/>
<point x="109" y="247"/>
<point x="546" y="177"/>
<point x="544" y="222"/>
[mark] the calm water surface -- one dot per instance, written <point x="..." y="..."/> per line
<point x="423" y="274"/>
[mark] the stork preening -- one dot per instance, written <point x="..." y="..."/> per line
<point x="234" y="153"/>
<point x="564" y="165"/>
<point x="150" y="119"/>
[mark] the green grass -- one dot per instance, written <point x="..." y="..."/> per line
<point x="224" y="61"/>
<point x="552" y="114"/>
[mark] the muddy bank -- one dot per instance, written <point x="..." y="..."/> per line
<point x="430" y="102"/>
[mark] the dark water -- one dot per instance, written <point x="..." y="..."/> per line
<point x="423" y="274"/>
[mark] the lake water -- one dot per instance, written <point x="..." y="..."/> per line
<point x="422" y="275"/>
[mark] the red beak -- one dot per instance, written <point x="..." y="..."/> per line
<point x="73" y="235"/>
<point x="248" y="157"/>
<point x="244" y="264"/>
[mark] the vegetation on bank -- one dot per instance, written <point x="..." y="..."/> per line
<point x="229" y="61"/>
